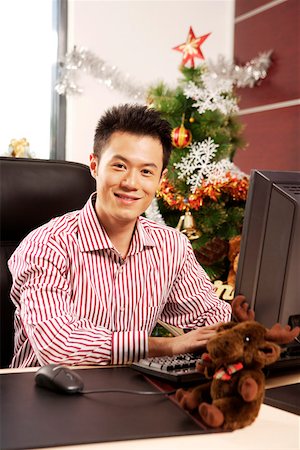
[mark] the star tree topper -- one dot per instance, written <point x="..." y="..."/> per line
<point x="191" y="48"/>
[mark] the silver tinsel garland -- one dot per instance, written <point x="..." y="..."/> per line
<point x="242" y="76"/>
<point x="86" y="61"/>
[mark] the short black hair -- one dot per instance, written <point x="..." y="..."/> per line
<point x="135" y="119"/>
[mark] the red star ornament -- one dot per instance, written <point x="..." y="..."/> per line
<point x="191" y="48"/>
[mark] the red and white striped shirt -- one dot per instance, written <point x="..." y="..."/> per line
<point x="79" y="302"/>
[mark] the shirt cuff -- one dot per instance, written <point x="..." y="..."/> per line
<point x="129" y="346"/>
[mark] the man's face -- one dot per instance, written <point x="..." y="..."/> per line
<point x="127" y="175"/>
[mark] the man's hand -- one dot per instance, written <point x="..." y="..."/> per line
<point x="193" y="341"/>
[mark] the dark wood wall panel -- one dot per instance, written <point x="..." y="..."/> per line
<point x="277" y="29"/>
<point x="244" y="6"/>
<point x="273" y="140"/>
<point x="273" y="136"/>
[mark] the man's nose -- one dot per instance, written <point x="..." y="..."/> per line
<point x="130" y="180"/>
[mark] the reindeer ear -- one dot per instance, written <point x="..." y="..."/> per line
<point x="269" y="353"/>
<point x="241" y="310"/>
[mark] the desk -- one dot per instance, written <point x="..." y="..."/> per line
<point x="273" y="429"/>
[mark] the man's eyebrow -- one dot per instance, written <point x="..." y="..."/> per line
<point x="148" y="164"/>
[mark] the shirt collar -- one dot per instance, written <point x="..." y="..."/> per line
<point x="92" y="236"/>
<point x="141" y="238"/>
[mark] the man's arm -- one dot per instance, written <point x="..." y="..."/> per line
<point x="192" y="304"/>
<point x="43" y="295"/>
<point x="192" y="301"/>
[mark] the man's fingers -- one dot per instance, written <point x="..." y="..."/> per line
<point x="215" y="326"/>
<point x="195" y="340"/>
<point x="202" y="335"/>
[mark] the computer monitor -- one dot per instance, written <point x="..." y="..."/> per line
<point x="269" y="263"/>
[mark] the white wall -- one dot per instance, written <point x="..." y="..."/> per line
<point x="28" y="49"/>
<point x="138" y="37"/>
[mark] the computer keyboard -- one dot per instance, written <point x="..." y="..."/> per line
<point x="182" y="368"/>
<point x="178" y="369"/>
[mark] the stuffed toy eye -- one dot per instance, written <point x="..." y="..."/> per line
<point x="247" y="339"/>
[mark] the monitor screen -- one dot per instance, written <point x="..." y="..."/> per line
<point x="269" y="263"/>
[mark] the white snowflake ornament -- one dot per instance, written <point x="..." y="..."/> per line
<point x="194" y="167"/>
<point x="216" y="93"/>
<point x="222" y="170"/>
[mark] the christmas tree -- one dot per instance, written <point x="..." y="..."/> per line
<point x="204" y="193"/>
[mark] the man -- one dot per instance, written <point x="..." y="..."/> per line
<point x="89" y="286"/>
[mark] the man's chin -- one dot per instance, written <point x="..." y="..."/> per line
<point x="126" y="218"/>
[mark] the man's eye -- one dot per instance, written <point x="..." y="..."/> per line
<point x="147" y="172"/>
<point x="119" y="165"/>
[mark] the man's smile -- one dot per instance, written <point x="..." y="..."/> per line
<point x="126" y="197"/>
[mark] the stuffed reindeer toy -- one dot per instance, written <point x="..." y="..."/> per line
<point x="233" y="362"/>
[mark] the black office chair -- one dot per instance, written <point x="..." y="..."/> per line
<point x="32" y="192"/>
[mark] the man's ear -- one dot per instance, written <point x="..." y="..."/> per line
<point x="93" y="165"/>
<point x="163" y="174"/>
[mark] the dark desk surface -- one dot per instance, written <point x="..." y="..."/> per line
<point x="274" y="429"/>
<point x="33" y="417"/>
<point x="284" y="397"/>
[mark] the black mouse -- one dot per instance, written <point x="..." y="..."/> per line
<point x="59" y="378"/>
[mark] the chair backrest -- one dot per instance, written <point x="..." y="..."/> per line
<point x="32" y="192"/>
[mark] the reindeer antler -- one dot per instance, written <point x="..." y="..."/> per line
<point x="241" y="310"/>
<point x="282" y="335"/>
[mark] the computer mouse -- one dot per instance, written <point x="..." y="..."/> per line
<point x="59" y="378"/>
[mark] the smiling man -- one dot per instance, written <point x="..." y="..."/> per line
<point x="89" y="286"/>
<point x="127" y="176"/>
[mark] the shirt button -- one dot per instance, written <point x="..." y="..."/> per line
<point x="122" y="309"/>
<point x="120" y="270"/>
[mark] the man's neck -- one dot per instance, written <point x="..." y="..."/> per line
<point x="120" y="237"/>
<point x="119" y="232"/>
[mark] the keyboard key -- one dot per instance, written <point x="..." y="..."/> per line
<point x="179" y="368"/>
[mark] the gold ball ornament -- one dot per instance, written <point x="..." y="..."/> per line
<point x="192" y="119"/>
<point x="181" y="137"/>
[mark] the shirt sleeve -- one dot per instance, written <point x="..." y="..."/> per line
<point x="43" y="296"/>
<point x="192" y="301"/>
<point x="129" y="346"/>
